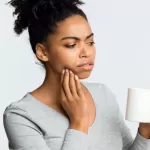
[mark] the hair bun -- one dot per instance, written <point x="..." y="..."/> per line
<point x="22" y="11"/>
<point x="27" y="10"/>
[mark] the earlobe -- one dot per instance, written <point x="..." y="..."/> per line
<point x="45" y="58"/>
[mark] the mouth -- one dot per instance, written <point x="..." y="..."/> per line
<point x="87" y="67"/>
<point x="86" y="64"/>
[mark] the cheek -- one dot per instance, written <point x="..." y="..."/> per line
<point x="93" y="53"/>
<point x="65" y="58"/>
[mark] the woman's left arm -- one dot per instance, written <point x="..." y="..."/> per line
<point x="128" y="143"/>
<point x="141" y="141"/>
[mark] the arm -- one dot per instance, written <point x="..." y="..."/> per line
<point x="139" y="143"/>
<point x="23" y="134"/>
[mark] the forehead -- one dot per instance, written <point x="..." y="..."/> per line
<point x="74" y="26"/>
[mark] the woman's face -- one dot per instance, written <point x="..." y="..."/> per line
<point x="71" y="46"/>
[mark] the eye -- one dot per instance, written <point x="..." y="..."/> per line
<point x="70" y="46"/>
<point x="91" y="43"/>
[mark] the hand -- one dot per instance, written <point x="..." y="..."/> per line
<point x="74" y="101"/>
<point x="144" y="130"/>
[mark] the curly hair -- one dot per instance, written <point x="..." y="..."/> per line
<point x="40" y="17"/>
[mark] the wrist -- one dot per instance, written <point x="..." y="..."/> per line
<point x="143" y="133"/>
<point x="79" y="125"/>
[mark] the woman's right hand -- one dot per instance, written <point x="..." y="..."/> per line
<point x="74" y="101"/>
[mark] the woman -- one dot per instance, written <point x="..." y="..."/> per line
<point x="63" y="113"/>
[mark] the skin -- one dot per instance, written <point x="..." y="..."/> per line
<point x="57" y="56"/>
<point x="144" y="130"/>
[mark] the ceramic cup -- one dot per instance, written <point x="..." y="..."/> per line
<point x="138" y="105"/>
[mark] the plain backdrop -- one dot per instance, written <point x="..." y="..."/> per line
<point x="122" y="37"/>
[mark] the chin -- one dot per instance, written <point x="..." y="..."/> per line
<point x="84" y="75"/>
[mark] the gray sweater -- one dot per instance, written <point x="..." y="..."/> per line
<point x="32" y="125"/>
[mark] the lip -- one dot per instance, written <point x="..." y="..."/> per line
<point x="86" y="67"/>
<point x="85" y="63"/>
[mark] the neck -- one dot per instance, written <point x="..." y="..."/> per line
<point x="49" y="91"/>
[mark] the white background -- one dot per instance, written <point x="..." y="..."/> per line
<point x="122" y="36"/>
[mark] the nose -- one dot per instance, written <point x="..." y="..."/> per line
<point x="84" y="51"/>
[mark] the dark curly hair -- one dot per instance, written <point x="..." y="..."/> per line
<point x="40" y="17"/>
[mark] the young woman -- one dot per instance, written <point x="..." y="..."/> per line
<point x="64" y="113"/>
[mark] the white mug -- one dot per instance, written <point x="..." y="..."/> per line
<point x="138" y="105"/>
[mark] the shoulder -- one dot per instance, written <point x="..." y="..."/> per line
<point x="97" y="86"/>
<point x="23" y="112"/>
<point x="30" y="109"/>
<point x="108" y="91"/>
<point x="18" y="123"/>
<point x="18" y="105"/>
<point x="103" y="94"/>
<point x="24" y="107"/>
<point x="92" y="85"/>
<point x="15" y="111"/>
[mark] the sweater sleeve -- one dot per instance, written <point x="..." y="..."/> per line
<point x="139" y="143"/>
<point x="23" y="134"/>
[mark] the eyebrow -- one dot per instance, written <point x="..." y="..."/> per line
<point x="76" y="38"/>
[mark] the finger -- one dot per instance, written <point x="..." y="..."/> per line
<point x="78" y="86"/>
<point x="66" y="85"/>
<point x="62" y="76"/>
<point x="63" y="96"/>
<point x="72" y="84"/>
<point x="64" y="101"/>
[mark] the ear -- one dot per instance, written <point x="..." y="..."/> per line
<point x="41" y="52"/>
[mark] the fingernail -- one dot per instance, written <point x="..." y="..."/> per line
<point x="63" y="71"/>
<point x="76" y="77"/>
<point x="66" y="70"/>
<point x="70" y="72"/>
